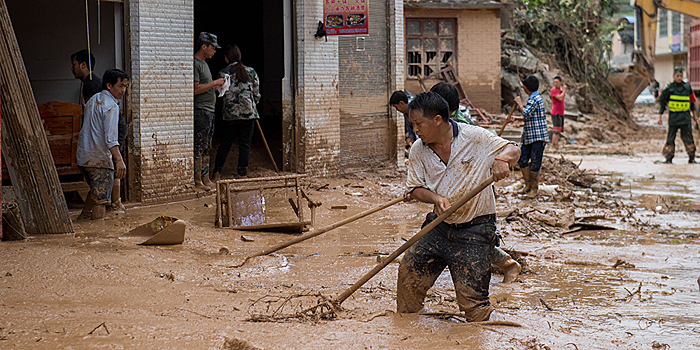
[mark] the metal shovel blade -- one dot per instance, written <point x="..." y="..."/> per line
<point x="163" y="230"/>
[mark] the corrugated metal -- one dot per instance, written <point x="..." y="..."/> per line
<point x="161" y="97"/>
<point x="365" y="131"/>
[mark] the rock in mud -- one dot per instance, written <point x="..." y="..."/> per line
<point x="238" y="344"/>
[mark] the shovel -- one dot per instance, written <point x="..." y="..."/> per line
<point x="347" y="293"/>
<point x="503" y="127"/>
<point x="320" y="231"/>
<point x="163" y="230"/>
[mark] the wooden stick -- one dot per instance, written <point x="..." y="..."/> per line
<point x="347" y="293"/>
<point x="322" y="230"/>
<point x="503" y="127"/>
<point x="266" y="146"/>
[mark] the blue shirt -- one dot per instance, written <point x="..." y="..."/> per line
<point x="99" y="132"/>
<point x="535" y="117"/>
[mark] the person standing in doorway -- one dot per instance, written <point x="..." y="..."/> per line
<point x="239" y="111"/>
<point x="558" y="93"/>
<point x="82" y="67"/>
<point x="98" y="144"/>
<point x="678" y="97"/>
<point x="204" y="103"/>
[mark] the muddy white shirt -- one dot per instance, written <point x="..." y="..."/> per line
<point x="472" y="153"/>
<point x="99" y="132"/>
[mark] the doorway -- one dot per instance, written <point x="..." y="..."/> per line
<point x="257" y="28"/>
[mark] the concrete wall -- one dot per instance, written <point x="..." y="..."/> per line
<point x="49" y="32"/>
<point x="316" y="98"/>
<point x="397" y="77"/>
<point x="160" y="113"/>
<point x="365" y="134"/>
<point x="479" y="53"/>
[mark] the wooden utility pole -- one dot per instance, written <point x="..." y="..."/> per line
<point x="24" y="143"/>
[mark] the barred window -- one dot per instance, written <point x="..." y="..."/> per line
<point x="430" y="44"/>
<point x="675" y="22"/>
<point x="663" y="23"/>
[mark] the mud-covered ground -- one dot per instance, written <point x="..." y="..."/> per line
<point x="631" y="287"/>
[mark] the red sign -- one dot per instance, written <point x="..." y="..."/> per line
<point x="346" y="17"/>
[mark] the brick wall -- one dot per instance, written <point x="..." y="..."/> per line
<point x="161" y="99"/>
<point x="479" y="53"/>
<point x="316" y="100"/>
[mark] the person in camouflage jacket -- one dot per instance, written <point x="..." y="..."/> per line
<point x="239" y="111"/>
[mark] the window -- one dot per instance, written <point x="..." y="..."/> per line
<point x="675" y="23"/>
<point x="430" y="44"/>
<point x="663" y="23"/>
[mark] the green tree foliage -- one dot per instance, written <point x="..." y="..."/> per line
<point x="577" y="34"/>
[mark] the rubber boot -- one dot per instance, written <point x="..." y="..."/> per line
<point x="669" y="151"/>
<point x="534" y="184"/>
<point x="242" y="172"/>
<point x="207" y="182"/>
<point x="511" y="269"/>
<point x="116" y="204"/>
<point x="198" y="176"/>
<point x="87" y="208"/>
<point x="98" y="212"/>
<point x="527" y="179"/>
<point x="691" y="158"/>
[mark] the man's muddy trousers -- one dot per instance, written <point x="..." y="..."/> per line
<point x="686" y="136"/>
<point x="467" y="250"/>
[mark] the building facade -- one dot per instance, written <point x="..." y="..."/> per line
<point x="325" y="98"/>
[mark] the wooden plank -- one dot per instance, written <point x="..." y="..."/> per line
<point x="26" y="148"/>
<point x="288" y="227"/>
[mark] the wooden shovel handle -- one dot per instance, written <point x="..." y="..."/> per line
<point x="327" y="228"/>
<point x="339" y="300"/>
<point x="503" y="127"/>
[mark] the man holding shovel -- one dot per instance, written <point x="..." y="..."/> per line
<point x="446" y="162"/>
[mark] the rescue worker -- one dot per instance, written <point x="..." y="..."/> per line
<point x="678" y="97"/>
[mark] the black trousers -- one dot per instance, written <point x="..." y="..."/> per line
<point x="230" y="129"/>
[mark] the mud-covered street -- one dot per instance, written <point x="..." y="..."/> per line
<point x="632" y="286"/>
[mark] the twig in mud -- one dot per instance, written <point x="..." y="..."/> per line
<point x="631" y="294"/>
<point x="567" y="344"/>
<point x="98" y="326"/>
<point x="385" y="313"/>
<point x="322" y="308"/>
<point x="196" y="313"/>
<point x="545" y="305"/>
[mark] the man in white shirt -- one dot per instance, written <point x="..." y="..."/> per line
<point x="447" y="161"/>
<point x="98" y="143"/>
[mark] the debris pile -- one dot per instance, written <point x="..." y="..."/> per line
<point x="575" y="36"/>
<point x="576" y="199"/>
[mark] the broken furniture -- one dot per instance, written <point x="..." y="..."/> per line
<point x="61" y="121"/>
<point x="450" y="75"/>
<point x="263" y="204"/>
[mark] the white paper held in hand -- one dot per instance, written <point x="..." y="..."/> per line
<point x="223" y="88"/>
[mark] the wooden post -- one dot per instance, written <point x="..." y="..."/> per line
<point x="27" y="154"/>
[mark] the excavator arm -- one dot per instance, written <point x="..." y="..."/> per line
<point x="641" y="73"/>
